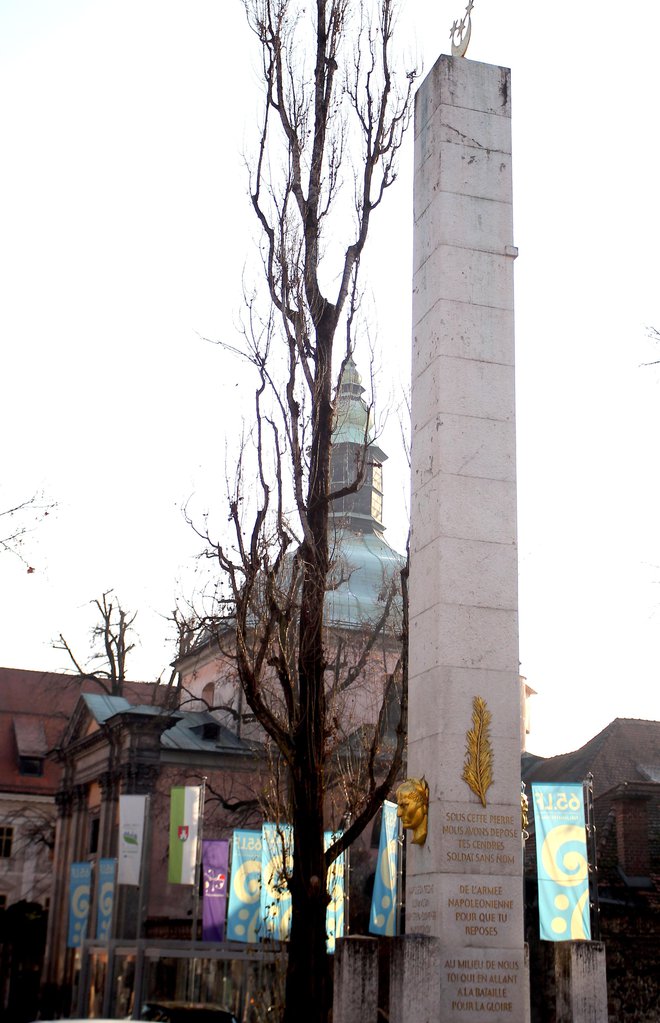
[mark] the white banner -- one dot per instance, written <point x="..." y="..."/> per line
<point x="131" y="837"/>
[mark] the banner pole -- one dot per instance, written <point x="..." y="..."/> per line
<point x="142" y="908"/>
<point x="400" y="878"/>
<point x="588" y="786"/>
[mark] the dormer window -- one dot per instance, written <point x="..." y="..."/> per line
<point x="31" y="747"/>
<point x="211" y="731"/>
<point x="208" y="731"/>
<point x="31" y="766"/>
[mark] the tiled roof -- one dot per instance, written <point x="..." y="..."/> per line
<point x="30" y="736"/>
<point x="628" y="749"/>
<point x="199" y="730"/>
<point x="624" y="759"/>
<point x="32" y="701"/>
<point x="194" y="730"/>
<point x="103" y="707"/>
<point x="35" y="708"/>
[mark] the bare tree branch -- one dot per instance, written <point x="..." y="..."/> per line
<point x="111" y="633"/>
<point x="333" y="118"/>
<point x="17" y="521"/>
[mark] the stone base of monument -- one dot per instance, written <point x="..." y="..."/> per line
<point x="581" y="982"/>
<point x="355" y="980"/>
<point x="430" y="982"/>
<point x="433" y="981"/>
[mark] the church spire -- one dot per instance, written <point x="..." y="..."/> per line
<point x="361" y="512"/>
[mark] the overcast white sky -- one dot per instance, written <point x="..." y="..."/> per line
<point x="124" y="231"/>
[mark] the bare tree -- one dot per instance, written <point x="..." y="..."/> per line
<point x="333" y="119"/>
<point x="184" y="638"/>
<point x="19" y="520"/>
<point x="111" y="634"/>
<point x="654" y="335"/>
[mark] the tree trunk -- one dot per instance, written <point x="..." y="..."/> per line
<point x="307" y="985"/>
<point x="307" y="982"/>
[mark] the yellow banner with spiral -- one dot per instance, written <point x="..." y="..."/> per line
<point x="562" y="863"/>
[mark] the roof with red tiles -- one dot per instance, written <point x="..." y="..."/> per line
<point x="35" y="707"/>
<point x="628" y="749"/>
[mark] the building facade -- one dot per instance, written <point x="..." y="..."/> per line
<point x="205" y="731"/>
<point x="623" y="764"/>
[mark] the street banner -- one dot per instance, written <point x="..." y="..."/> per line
<point x="80" y="878"/>
<point x="131" y="837"/>
<point x="276" y="862"/>
<point x="215" y="862"/>
<point x="184" y="823"/>
<point x="105" y="897"/>
<point x="382" y="919"/>
<point x="334" y="921"/>
<point x="244" y="909"/>
<point x="562" y="864"/>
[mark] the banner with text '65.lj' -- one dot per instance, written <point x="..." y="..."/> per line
<point x="244" y="909"/>
<point x="562" y="864"/>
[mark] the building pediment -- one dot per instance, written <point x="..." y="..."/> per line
<point x="91" y="711"/>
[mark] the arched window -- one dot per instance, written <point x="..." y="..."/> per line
<point x="208" y="695"/>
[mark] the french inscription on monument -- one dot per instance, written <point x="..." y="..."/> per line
<point x="468" y="909"/>
<point x="483" y="985"/>
<point x="422" y="915"/>
<point x="481" y="910"/>
<point x="480" y="840"/>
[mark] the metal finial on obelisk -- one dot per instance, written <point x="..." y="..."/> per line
<point x="462" y="29"/>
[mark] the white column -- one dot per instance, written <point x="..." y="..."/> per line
<point x="464" y="886"/>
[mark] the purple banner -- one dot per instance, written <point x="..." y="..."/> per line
<point x="215" y="863"/>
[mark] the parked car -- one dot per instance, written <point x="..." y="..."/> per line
<point x="186" y="1012"/>
<point x="169" y="1012"/>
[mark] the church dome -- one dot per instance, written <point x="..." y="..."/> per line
<point x="365" y="568"/>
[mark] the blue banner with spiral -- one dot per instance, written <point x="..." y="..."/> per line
<point x="384" y="899"/>
<point x="562" y="863"/>
<point x="244" y="907"/>
<point x="276" y="864"/>
<point x="105" y="897"/>
<point x="80" y="879"/>
<point x="334" y="921"/>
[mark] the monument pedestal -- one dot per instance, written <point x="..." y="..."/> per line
<point x="581" y="983"/>
<point x="355" y="997"/>
<point x="431" y="981"/>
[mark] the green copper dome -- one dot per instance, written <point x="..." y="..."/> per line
<point x="366" y="568"/>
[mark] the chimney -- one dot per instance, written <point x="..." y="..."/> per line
<point x="632" y="831"/>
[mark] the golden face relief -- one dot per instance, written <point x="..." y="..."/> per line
<point x="412" y="798"/>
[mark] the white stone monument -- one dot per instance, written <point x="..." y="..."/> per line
<point x="464" y="884"/>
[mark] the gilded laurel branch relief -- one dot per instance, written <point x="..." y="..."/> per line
<point x="478" y="766"/>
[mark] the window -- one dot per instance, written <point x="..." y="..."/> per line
<point x="6" y="840"/>
<point x="211" y="731"/>
<point x="31" y="765"/>
<point x="94" y="826"/>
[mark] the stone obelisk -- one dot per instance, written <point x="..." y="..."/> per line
<point x="464" y="885"/>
